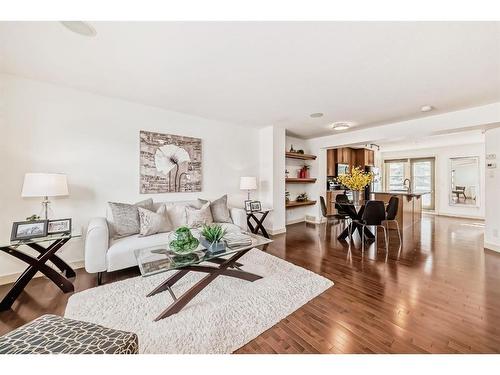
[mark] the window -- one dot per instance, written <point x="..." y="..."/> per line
<point x="420" y="171"/>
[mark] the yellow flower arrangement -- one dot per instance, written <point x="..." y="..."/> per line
<point x="357" y="180"/>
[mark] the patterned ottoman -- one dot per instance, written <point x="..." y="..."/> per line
<point x="51" y="334"/>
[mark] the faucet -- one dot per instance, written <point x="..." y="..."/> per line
<point x="408" y="188"/>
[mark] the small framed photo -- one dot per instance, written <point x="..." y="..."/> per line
<point x="255" y="206"/>
<point x="59" y="226"/>
<point x="25" y="230"/>
<point x="248" y="208"/>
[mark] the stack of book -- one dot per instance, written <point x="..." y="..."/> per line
<point x="237" y="239"/>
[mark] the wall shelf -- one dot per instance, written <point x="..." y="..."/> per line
<point x="300" y="180"/>
<point x="293" y="204"/>
<point x="294" y="155"/>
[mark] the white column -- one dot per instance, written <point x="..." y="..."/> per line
<point x="492" y="190"/>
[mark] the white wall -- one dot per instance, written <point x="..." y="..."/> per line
<point x="491" y="236"/>
<point x="95" y="140"/>
<point x="443" y="176"/>
<point x="272" y="176"/>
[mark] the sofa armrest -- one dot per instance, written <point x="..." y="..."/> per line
<point x="96" y="245"/>
<point x="239" y="217"/>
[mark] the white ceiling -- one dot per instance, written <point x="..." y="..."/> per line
<point x="275" y="73"/>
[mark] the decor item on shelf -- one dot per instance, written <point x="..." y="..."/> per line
<point x="211" y="238"/>
<point x="304" y="172"/>
<point x="25" y="230"/>
<point x="33" y="217"/>
<point x="45" y="185"/>
<point x="169" y="163"/>
<point x="291" y="149"/>
<point x="287" y="196"/>
<point x="255" y="206"/>
<point x="287" y="174"/>
<point x="300" y="152"/>
<point x="302" y="197"/>
<point x="355" y="181"/>
<point x="248" y="183"/>
<point x="182" y="241"/>
<point x="59" y="226"/>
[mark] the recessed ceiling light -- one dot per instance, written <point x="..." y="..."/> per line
<point x="341" y="125"/>
<point x="426" y="108"/>
<point x="80" y="27"/>
<point x="316" y="115"/>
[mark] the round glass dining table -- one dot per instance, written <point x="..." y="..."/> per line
<point x="355" y="212"/>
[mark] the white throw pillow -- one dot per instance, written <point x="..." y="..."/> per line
<point x="154" y="222"/>
<point x="198" y="217"/>
<point x="177" y="215"/>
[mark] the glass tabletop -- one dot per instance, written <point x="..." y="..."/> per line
<point x="157" y="259"/>
<point x="50" y="237"/>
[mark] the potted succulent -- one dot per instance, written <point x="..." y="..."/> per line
<point x="182" y="241"/>
<point x="211" y="238"/>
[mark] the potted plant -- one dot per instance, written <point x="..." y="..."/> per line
<point x="355" y="181"/>
<point x="211" y="238"/>
<point x="302" y="197"/>
<point x="182" y="241"/>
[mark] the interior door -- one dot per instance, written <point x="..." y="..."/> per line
<point x="422" y="177"/>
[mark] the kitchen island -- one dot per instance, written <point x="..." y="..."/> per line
<point x="409" y="208"/>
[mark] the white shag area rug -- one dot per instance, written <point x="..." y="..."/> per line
<point x="222" y="318"/>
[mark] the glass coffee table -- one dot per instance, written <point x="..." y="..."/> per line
<point x="159" y="259"/>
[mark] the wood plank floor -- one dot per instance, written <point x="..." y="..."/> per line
<point x="439" y="294"/>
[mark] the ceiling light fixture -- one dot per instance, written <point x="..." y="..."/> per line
<point x="426" y="108"/>
<point x="316" y="115"/>
<point x="340" y="126"/>
<point x="80" y="27"/>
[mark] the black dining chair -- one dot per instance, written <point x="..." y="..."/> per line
<point x="391" y="213"/>
<point x="373" y="215"/>
<point x="338" y="217"/>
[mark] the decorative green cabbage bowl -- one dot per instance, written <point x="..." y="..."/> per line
<point x="182" y="241"/>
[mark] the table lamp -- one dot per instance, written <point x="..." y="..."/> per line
<point x="44" y="185"/>
<point x="248" y="183"/>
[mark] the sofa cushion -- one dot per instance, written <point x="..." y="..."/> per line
<point x="154" y="222"/>
<point x="198" y="217"/>
<point x="126" y="217"/>
<point x="219" y="209"/>
<point x="177" y="214"/>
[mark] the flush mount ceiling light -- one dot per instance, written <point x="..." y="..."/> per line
<point x="340" y="125"/>
<point x="316" y="115"/>
<point x="426" y="108"/>
<point x="80" y="27"/>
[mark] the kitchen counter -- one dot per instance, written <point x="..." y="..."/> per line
<point x="409" y="205"/>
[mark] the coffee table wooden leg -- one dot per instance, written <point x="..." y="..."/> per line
<point x="182" y="301"/>
<point x="169" y="282"/>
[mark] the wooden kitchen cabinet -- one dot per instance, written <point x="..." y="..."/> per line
<point x="364" y="157"/>
<point x="330" y="162"/>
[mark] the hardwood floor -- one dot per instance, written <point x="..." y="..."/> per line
<point x="439" y="294"/>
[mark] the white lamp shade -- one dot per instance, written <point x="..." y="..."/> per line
<point x="44" y="185"/>
<point x="248" y="183"/>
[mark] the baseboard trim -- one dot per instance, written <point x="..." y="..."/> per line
<point x="296" y="221"/>
<point x="492" y="247"/>
<point x="462" y="216"/>
<point x="10" y="278"/>
<point x="276" y="231"/>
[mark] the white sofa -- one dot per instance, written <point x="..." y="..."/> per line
<point x="105" y="254"/>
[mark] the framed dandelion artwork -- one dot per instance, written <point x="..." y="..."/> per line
<point x="169" y="163"/>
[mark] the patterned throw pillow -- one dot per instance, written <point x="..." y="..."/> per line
<point x="219" y="209"/>
<point x="154" y="222"/>
<point x="126" y="217"/>
<point x="196" y="217"/>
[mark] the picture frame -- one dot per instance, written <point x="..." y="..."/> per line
<point x="25" y="230"/>
<point x="59" y="226"/>
<point x="248" y="208"/>
<point x="255" y="206"/>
